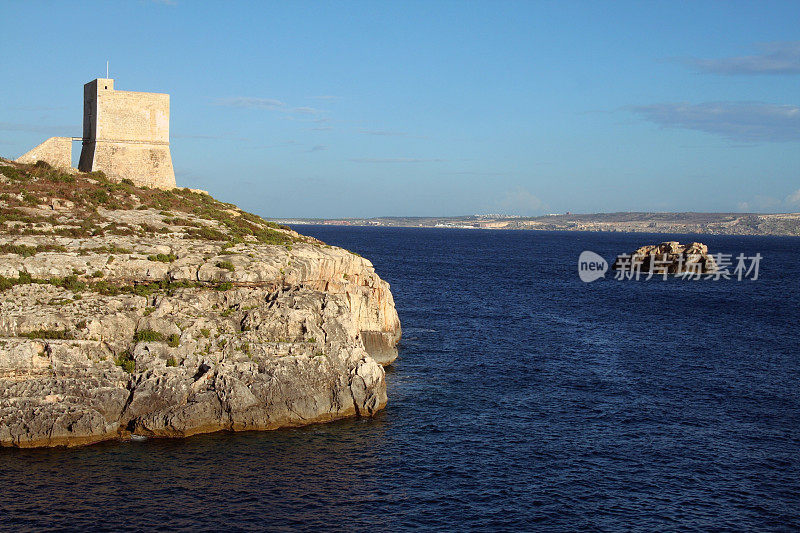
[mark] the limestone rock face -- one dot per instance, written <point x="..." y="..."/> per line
<point x="671" y="256"/>
<point x="160" y="333"/>
<point x="290" y="342"/>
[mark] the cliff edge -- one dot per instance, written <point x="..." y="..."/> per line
<point x="133" y="311"/>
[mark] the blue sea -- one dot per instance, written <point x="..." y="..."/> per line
<point x="522" y="399"/>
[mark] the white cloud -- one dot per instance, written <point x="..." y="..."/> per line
<point x="775" y="58"/>
<point x="765" y="204"/>
<point x="737" y="121"/>
<point x="40" y="128"/>
<point x="384" y="133"/>
<point x="273" y="104"/>
<point x="478" y="173"/>
<point x="305" y="110"/>
<point x="251" y="102"/>
<point x="794" y="198"/>
<point x="210" y="137"/>
<point x="394" y="160"/>
<point x="519" y="201"/>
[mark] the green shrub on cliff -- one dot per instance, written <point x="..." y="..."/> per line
<point x="48" y="334"/>
<point x="162" y="258"/>
<point x="174" y="340"/>
<point x="148" y="335"/>
<point x="30" y="199"/>
<point x="126" y="362"/>
<point x="13" y="173"/>
<point x="19" y="249"/>
<point x="98" y="196"/>
<point x="206" y="234"/>
<point x="23" y="278"/>
<point x="71" y="283"/>
<point x="227" y="265"/>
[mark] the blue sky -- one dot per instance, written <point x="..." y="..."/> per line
<point x="332" y="109"/>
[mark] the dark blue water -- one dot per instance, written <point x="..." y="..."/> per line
<point x="523" y="398"/>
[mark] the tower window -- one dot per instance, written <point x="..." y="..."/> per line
<point x="106" y="86"/>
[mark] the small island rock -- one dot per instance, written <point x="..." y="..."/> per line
<point x="673" y="256"/>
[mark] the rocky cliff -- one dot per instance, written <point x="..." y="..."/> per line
<point x="133" y="311"/>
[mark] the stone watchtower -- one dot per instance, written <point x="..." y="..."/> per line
<point x="126" y="134"/>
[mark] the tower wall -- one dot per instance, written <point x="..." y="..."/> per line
<point x="126" y="134"/>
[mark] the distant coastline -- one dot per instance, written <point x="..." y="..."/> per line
<point x="782" y="224"/>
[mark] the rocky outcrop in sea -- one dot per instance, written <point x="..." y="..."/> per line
<point x="671" y="256"/>
<point x="129" y="311"/>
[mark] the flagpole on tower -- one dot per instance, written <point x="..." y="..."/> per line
<point x="106" y="69"/>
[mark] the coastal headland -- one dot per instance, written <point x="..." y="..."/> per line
<point x="133" y="311"/>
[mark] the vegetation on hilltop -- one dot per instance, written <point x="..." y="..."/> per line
<point x="40" y="200"/>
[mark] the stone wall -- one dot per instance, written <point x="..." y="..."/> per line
<point x="126" y="134"/>
<point x="145" y="164"/>
<point x="56" y="150"/>
<point x="133" y="116"/>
